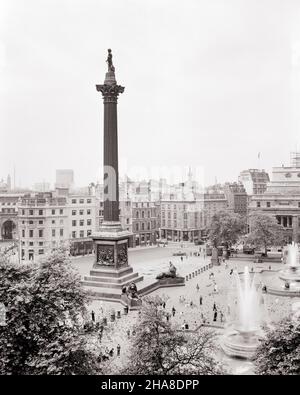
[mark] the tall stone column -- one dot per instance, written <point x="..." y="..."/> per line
<point x="110" y="92"/>
<point x="111" y="271"/>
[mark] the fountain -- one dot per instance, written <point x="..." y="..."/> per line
<point x="243" y="337"/>
<point x="290" y="275"/>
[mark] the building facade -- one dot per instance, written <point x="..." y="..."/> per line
<point x="43" y="224"/>
<point x="282" y="200"/>
<point x="82" y="222"/>
<point x="254" y="181"/>
<point x="237" y="198"/>
<point x="182" y="220"/>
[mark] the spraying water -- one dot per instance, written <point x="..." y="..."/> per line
<point x="293" y="255"/>
<point x="249" y="311"/>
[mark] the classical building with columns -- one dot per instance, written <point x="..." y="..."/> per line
<point x="282" y="200"/>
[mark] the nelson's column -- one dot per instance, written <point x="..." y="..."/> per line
<point x="111" y="271"/>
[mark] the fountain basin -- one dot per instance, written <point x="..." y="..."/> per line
<point x="290" y="274"/>
<point x="240" y="344"/>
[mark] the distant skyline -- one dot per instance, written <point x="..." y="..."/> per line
<point x="208" y="84"/>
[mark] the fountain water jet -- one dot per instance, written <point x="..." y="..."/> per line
<point x="243" y="339"/>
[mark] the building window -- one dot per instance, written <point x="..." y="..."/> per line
<point x="81" y="222"/>
<point x="53" y="212"/>
<point x="61" y="232"/>
<point x="41" y="252"/>
<point x="53" y="222"/>
<point x="41" y="222"/>
<point x="89" y="200"/>
<point x="40" y="232"/>
<point x="41" y="243"/>
<point x="88" y="233"/>
<point x="257" y="204"/>
<point x="73" y="212"/>
<point x="143" y="226"/>
<point x="30" y="222"/>
<point x="137" y="214"/>
<point x="74" y="235"/>
<point x="88" y="211"/>
<point x="143" y="214"/>
<point x="53" y="232"/>
<point x="137" y="227"/>
<point x="148" y="226"/>
<point x="81" y="201"/>
<point x="40" y="212"/>
<point x="30" y="212"/>
<point x="73" y="223"/>
<point x="89" y="222"/>
<point x="31" y="233"/>
<point x="23" y="232"/>
<point x="149" y="214"/>
<point x="127" y="220"/>
<point x="31" y="243"/>
<point x="81" y="233"/>
<point x="74" y="201"/>
<point x="299" y="204"/>
<point x="268" y="204"/>
<point x="80" y="212"/>
<point x="61" y="211"/>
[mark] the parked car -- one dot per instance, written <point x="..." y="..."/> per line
<point x="248" y="250"/>
<point x="179" y="253"/>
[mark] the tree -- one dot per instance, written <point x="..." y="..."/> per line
<point x="44" y="303"/>
<point x="160" y="349"/>
<point x="265" y="231"/>
<point x="226" y="228"/>
<point x="279" y="352"/>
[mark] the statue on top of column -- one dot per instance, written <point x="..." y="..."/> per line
<point x="109" y="61"/>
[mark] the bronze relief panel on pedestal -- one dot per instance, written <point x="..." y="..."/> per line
<point x="105" y="255"/>
<point x="122" y="254"/>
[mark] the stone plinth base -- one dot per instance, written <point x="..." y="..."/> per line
<point x="171" y="281"/>
<point x="110" y="272"/>
<point x="111" y="278"/>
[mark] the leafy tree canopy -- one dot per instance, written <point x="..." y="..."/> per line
<point x="44" y="303"/>
<point x="279" y="352"/>
<point x="265" y="231"/>
<point x="226" y="227"/>
<point x="159" y="348"/>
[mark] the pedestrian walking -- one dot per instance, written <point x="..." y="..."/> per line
<point x="181" y="258"/>
<point x="173" y="311"/>
<point x="214" y="307"/>
<point x="200" y="300"/>
<point x="197" y="287"/>
<point x="215" y="315"/>
<point x="164" y="305"/>
<point x="118" y="350"/>
<point x="221" y="316"/>
<point x="93" y="316"/>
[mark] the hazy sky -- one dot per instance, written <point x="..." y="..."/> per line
<point x="208" y="84"/>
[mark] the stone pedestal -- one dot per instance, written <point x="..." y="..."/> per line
<point x="111" y="272"/>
